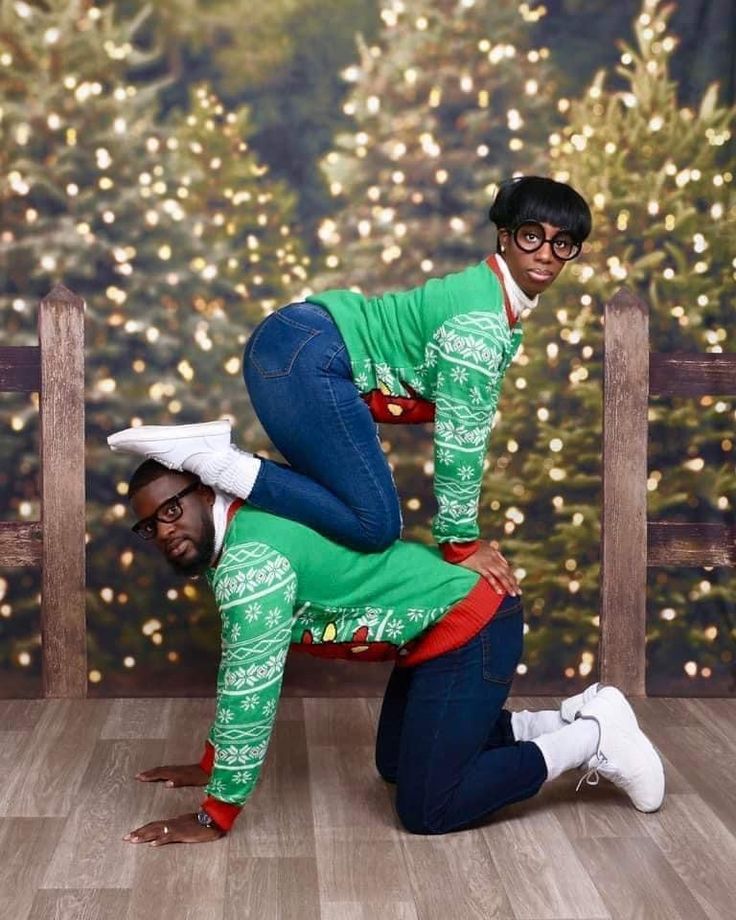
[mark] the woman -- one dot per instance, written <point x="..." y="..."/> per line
<point x="321" y="373"/>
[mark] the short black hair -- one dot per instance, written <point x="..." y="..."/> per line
<point x="544" y="200"/>
<point x="149" y="471"/>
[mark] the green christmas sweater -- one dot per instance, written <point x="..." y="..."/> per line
<point x="447" y="343"/>
<point x="279" y="583"/>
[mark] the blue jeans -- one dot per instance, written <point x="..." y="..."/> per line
<point x="338" y="481"/>
<point x="445" y="739"/>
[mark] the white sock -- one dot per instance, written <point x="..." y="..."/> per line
<point x="231" y="470"/>
<point x="569" y="747"/>
<point x="527" y="725"/>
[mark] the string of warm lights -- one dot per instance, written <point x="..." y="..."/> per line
<point x="195" y="241"/>
<point x="386" y="175"/>
<point x="177" y="237"/>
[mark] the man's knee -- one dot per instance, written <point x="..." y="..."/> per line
<point x="414" y="818"/>
<point x="386" y="769"/>
<point x="419" y="810"/>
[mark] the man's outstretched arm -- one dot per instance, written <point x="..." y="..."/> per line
<point x="255" y="588"/>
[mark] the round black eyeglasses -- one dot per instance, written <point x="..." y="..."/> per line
<point x="529" y="237"/>
<point x="167" y="512"/>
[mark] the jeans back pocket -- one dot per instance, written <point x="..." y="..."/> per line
<point x="275" y="345"/>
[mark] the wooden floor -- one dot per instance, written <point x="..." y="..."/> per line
<point x="319" y="839"/>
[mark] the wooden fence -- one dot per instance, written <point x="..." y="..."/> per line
<point x="55" y="370"/>
<point x="630" y="542"/>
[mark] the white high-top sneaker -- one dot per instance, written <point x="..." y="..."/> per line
<point x="178" y="447"/>
<point x="625" y="755"/>
<point x="570" y="707"/>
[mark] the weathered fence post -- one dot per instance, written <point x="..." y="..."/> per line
<point x="63" y="626"/>
<point x="624" y="530"/>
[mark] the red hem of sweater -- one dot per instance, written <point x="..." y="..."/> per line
<point x="347" y="651"/>
<point x="207" y="759"/>
<point x="458" y="552"/>
<point x="399" y="410"/>
<point x="222" y="813"/>
<point x="462" y="621"/>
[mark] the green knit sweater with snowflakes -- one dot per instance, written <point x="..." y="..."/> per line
<point x="278" y="583"/>
<point x="449" y="342"/>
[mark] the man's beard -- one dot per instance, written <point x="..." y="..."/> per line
<point x="205" y="551"/>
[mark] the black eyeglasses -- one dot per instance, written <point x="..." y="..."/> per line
<point x="167" y="512"/>
<point x="529" y="237"/>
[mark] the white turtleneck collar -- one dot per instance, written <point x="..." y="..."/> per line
<point x="219" y="517"/>
<point x="520" y="302"/>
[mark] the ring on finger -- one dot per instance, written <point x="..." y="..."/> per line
<point x="166" y="828"/>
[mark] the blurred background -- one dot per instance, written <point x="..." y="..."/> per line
<point x="187" y="167"/>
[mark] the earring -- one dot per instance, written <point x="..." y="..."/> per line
<point x="503" y="249"/>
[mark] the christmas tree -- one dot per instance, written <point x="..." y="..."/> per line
<point x="178" y="240"/>
<point x="451" y="99"/>
<point x="658" y="179"/>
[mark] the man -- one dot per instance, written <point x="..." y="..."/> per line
<point x="455" y="754"/>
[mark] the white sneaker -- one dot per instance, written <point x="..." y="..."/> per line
<point x="178" y="447"/>
<point x="625" y="755"/>
<point x="570" y="707"/>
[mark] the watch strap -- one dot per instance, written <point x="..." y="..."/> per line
<point x="224" y="813"/>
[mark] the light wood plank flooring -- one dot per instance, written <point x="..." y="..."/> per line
<point x="319" y="839"/>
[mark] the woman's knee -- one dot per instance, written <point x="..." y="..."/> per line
<point x="375" y="538"/>
<point x="382" y="529"/>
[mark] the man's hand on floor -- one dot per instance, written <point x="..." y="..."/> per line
<point x="184" y="829"/>
<point x="175" y="776"/>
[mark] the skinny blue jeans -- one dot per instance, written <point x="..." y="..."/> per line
<point x="338" y="480"/>
<point x="445" y="739"/>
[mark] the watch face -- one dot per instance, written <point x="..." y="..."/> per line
<point x="204" y="819"/>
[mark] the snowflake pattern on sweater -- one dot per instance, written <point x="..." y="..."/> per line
<point x="254" y="588"/>
<point x="472" y="351"/>
<point x="462" y="373"/>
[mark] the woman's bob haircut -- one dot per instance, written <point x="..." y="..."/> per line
<point x="546" y="201"/>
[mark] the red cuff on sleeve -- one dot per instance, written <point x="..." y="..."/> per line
<point x="208" y="758"/>
<point x="223" y="813"/>
<point x="458" y="552"/>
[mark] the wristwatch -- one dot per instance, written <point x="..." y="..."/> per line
<point x="205" y="819"/>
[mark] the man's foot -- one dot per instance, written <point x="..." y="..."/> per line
<point x="625" y="755"/>
<point x="178" y="447"/>
<point x="570" y="707"/>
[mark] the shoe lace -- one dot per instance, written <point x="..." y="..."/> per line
<point x="591" y="776"/>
